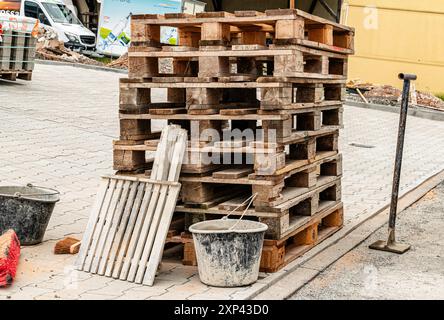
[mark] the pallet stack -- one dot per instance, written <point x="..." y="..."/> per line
<point x="278" y="78"/>
<point x="17" y="48"/>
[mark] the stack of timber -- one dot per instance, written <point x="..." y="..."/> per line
<point x="277" y="78"/>
<point x="17" y="48"/>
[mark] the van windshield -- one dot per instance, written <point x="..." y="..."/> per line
<point x="60" y="13"/>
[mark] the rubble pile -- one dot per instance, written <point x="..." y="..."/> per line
<point x="389" y="95"/>
<point x="55" y="50"/>
<point x="120" y="63"/>
<point x="50" y="48"/>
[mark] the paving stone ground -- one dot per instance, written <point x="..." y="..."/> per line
<point x="57" y="131"/>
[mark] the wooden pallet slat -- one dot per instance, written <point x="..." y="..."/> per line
<point x="130" y="220"/>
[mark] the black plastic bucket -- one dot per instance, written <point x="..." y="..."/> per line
<point x="27" y="211"/>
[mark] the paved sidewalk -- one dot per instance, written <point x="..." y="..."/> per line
<point x="57" y="131"/>
<point x="369" y="274"/>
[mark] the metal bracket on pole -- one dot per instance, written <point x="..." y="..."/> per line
<point x="391" y="245"/>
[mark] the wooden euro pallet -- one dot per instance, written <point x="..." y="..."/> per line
<point x="245" y="27"/>
<point x="230" y="98"/>
<point x="264" y="158"/>
<point x="276" y="254"/>
<point x="237" y="63"/>
<point x="281" y="219"/>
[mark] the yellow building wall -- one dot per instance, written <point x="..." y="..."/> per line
<point x="394" y="36"/>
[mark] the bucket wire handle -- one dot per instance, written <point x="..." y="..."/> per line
<point x="249" y="200"/>
<point x="30" y="185"/>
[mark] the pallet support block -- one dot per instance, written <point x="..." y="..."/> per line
<point x="128" y="160"/>
<point x="142" y="67"/>
<point x="144" y="33"/>
<point x="275" y="97"/>
<point x="213" y="67"/>
<point x="267" y="194"/>
<point x="215" y="32"/>
<point x="268" y="163"/>
<point x="289" y="63"/>
<point x="321" y="33"/>
<point x="290" y="29"/>
<point x="135" y="129"/>
<point x="203" y="96"/>
<point x="134" y="99"/>
<point x="276" y="226"/>
<point x="277" y="129"/>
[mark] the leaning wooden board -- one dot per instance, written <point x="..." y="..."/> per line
<point x="129" y="222"/>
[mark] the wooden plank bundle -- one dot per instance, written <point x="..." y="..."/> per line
<point x="129" y="223"/>
<point x="264" y="91"/>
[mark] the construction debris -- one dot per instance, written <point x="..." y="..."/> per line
<point x="55" y="50"/>
<point x="9" y="257"/>
<point x="389" y="95"/>
<point x="120" y="63"/>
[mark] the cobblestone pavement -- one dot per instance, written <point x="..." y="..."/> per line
<point x="57" y="131"/>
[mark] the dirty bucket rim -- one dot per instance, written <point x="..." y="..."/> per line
<point x="32" y="197"/>
<point x="262" y="227"/>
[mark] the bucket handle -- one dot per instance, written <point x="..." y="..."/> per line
<point x="30" y="185"/>
<point x="249" y="200"/>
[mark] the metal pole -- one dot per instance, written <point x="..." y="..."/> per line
<point x="390" y="244"/>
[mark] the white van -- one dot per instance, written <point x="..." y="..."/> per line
<point x="56" y="14"/>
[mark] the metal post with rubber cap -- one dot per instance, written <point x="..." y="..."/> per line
<point x="391" y="245"/>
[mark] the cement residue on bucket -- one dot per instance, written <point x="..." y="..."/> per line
<point x="228" y="251"/>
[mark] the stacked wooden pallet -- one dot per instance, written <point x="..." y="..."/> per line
<point x="17" y="49"/>
<point x="278" y="79"/>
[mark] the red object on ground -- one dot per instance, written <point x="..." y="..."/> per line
<point x="9" y="257"/>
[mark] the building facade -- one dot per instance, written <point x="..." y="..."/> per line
<point x="395" y="36"/>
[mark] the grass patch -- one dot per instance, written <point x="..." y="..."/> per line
<point x="440" y="96"/>
<point x="104" y="60"/>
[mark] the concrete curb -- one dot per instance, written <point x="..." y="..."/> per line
<point x="81" y="66"/>
<point x="414" y="111"/>
<point x="306" y="268"/>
